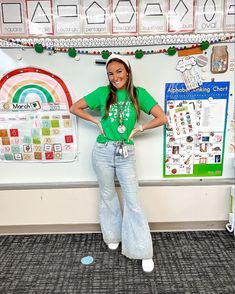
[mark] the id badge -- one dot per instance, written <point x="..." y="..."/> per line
<point x="120" y="150"/>
<point x="125" y="151"/>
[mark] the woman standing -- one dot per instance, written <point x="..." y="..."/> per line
<point x="120" y="104"/>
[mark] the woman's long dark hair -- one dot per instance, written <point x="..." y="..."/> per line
<point x="131" y="90"/>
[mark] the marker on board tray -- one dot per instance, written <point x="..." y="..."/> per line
<point x="100" y="61"/>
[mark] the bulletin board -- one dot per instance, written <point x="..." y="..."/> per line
<point x="156" y="73"/>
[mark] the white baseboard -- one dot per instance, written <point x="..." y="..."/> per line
<point x="95" y="228"/>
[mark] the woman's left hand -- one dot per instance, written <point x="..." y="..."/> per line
<point x="133" y="133"/>
<point x="159" y="119"/>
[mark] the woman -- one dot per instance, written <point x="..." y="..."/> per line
<point x="113" y="154"/>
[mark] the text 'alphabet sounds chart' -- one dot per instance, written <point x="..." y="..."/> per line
<point x="35" y="123"/>
<point x="195" y="136"/>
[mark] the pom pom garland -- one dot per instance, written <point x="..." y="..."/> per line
<point x="72" y="52"/>
<point x="60" y="45"/>
<point x="38" y="48"/>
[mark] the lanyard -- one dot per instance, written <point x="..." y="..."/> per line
<point x="120" y="110"/>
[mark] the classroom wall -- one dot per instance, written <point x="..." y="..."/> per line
<point x="45" y="199"/>
<point x="76" y="209"/>
<point x="151" y="72"/>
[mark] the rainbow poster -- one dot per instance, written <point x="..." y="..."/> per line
<point x="35" y="122"/>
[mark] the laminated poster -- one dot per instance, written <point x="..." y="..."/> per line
<point x="229" y="15"/>
<point x="40" y="17"/>
<point x="209" y="16"/>
<point x="195" y="136"/>
<point x="124" y="16"/>
<point x="152" y="16"/>
<point x="96" y="17"/>
<point x="35" y="123"/>
<point x="181" y="16"/>
<point x="67" y="17"/>
<point x="13" y="17"/>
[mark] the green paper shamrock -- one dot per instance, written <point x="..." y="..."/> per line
<point x="105" y="54"/>
<point x="38" y="48"/>
<point x="171" y="51"/>
<point x="139" y="53"/>
<point x="72" y="52"/>
<point x="204" y="45"/>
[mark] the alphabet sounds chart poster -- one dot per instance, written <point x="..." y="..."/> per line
<point x="195" y="135"/>
<point x="35" y="123"/>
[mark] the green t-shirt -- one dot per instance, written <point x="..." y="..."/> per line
<point x="98" y="98"/>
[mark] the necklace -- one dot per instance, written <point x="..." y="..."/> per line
<point x="121" y="129"/>
<point x="120" y="108"/>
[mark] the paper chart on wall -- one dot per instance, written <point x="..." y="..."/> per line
<point x="211" y="118"/>
<point x="209" y="15"/>
<point x="12" y="17"/>
<point x="229" y="15"/>
<point x="96" y="20"/>
<point x="195" y="136"/>
<point x="181" y="16"/>
<point x="35" y="123"/>
<point x="40" y="17"/>
<point x="183" y="119"/>
<point x="67" y="17"/>
<point x="152" y="16"/>
<point x="187" y="66"/>
<point x="124" y="18"/>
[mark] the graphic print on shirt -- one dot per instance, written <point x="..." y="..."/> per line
<point x="123" y="106"/>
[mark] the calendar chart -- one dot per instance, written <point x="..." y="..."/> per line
<point x="35" y="123"/>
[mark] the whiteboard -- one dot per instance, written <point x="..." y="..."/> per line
<point x="152" y="72"/>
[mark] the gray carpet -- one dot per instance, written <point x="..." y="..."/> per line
<point x="186" y="262"/>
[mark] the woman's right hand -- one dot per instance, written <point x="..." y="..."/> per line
<point x="99" y="125"/>
<point x="78" y="109"/>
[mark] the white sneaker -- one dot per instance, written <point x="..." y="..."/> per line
<point x="147" y="265"/>
<point x="113" y="246"/>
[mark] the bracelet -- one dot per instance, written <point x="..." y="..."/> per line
<point x="141" y="128"/>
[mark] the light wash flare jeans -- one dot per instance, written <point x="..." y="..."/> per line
<point x="130" y="227"/>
